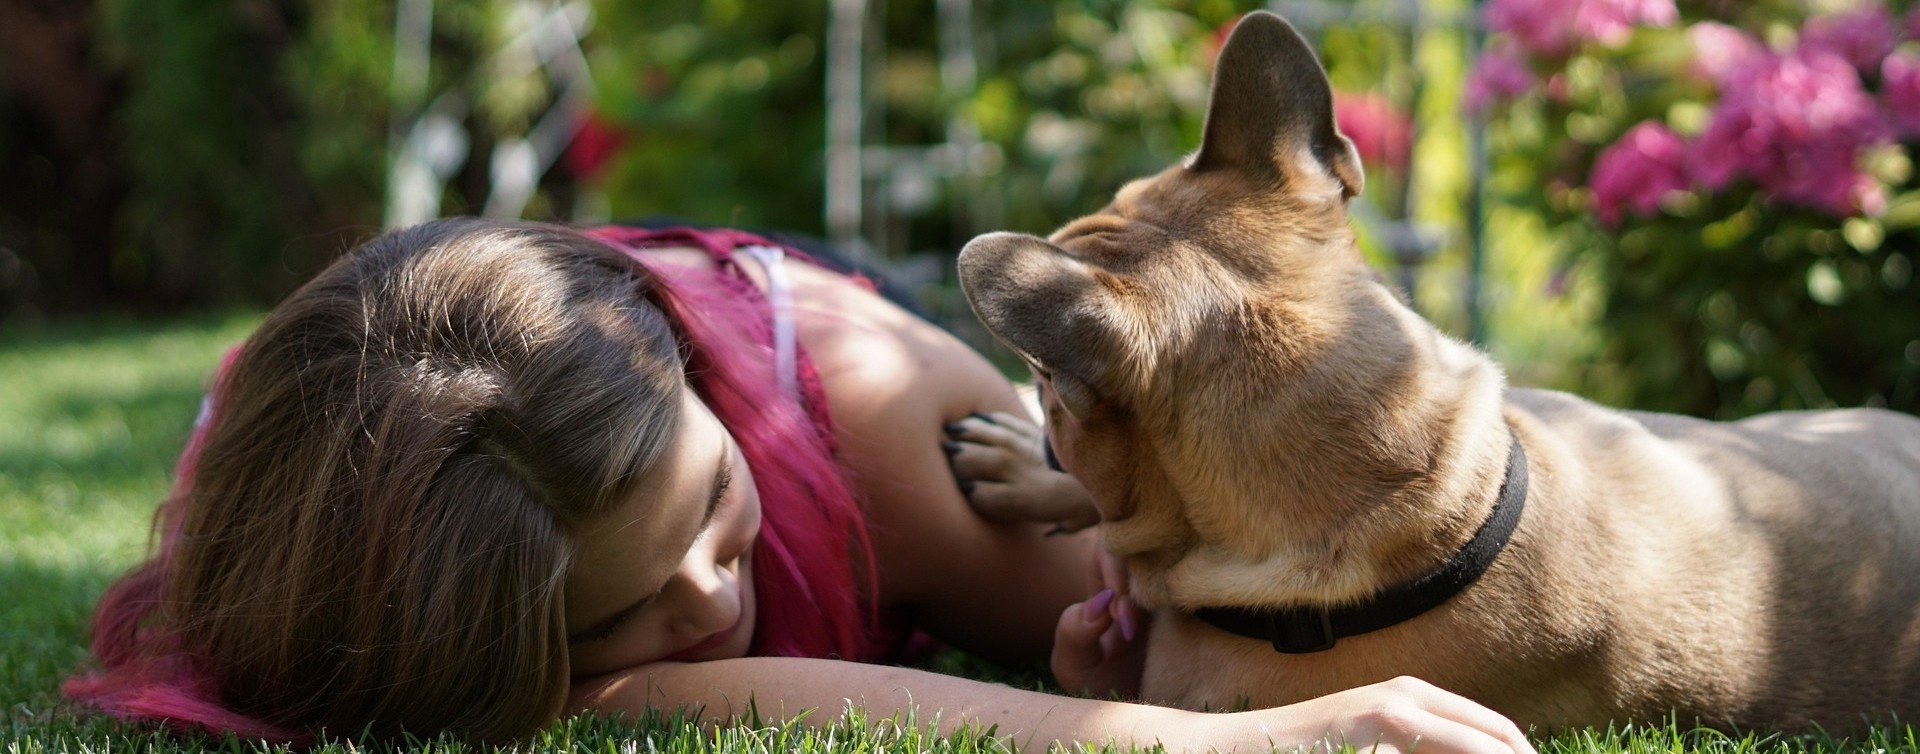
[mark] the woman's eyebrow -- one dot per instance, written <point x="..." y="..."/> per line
<point x="722" y="479"/>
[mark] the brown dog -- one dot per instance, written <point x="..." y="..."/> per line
<point x="1263" y="424"/>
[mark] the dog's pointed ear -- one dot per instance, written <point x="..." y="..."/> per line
<point x="1271" y="111"/>
<point x="1051" y="307"/>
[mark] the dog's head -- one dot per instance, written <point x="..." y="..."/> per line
<point x="1185" y="335"/>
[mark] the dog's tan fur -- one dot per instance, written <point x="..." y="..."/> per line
<point x="1263" y="423"/>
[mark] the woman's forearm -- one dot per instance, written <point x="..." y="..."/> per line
<point x="1391" y="717"/>
<point x="780" y="688"/>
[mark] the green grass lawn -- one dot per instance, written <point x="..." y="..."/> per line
<point x="91" y="417"/>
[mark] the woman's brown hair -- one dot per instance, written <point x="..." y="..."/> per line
<point x="384" y="507"/>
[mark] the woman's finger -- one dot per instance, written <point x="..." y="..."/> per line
<point x="1076" y="638"/>
<point x="1465" y="711"/>
<point x="1130" y="618"/>
<point x="1408" y="727"/>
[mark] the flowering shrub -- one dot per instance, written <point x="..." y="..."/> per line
<point x="1644" y="167"/>
<point x="1734" y="176"/>
<point x="1796" y="124"/>
<point x="1553" y="28"/>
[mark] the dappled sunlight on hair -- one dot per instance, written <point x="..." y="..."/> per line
<point x="372" y="528"/>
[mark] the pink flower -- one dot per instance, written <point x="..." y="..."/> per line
<point x="1610" y="22"/>
<point x="1381" y="131"/>
<point x="1900" y="92"/>
<point x="1913" y="23"/>
<point x="1718" y="49"/>
<point x="1553" y="27"/>
<point x="1638" y="171"/>
<point x="1795" y="124"/>
<point x="1862" y="36"/>
<point x="1497" y="76"/>
<point x="1537" y="26"/>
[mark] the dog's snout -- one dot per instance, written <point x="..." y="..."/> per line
<point x="988" y="252"/>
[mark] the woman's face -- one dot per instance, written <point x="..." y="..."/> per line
<point x="668" y="575"/>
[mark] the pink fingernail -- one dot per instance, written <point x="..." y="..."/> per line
<point x="1099" y="602"/>
<point x="1126" y="622"/>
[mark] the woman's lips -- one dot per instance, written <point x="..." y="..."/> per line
<point x="714" y="641"/>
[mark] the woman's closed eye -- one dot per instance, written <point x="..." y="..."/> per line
<point x="722" y="482"/>
<point x="607" y="627"/>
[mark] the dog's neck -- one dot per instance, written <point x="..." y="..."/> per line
<point x="1373" y="465"/>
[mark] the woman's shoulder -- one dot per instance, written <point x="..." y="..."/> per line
<point x="873" y="357"/>
<point x="880" y="362"/>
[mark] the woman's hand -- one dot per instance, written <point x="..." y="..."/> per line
<point x="1099" y="645"/>
<point x="1002" y="470"/>
<point x="1391" y="717"/>
<point x="1099" y="648"/>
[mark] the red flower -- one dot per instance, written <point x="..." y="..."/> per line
<point x="1382" y="132"/>
<point x="594" y="144"/>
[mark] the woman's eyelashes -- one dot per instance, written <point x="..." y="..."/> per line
<point x="723" y="482"/>
<point x="610" y="626"/>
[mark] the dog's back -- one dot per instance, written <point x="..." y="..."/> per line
<point x="1794" y="536"/>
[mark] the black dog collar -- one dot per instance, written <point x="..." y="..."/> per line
<point x="1314" y="628"/>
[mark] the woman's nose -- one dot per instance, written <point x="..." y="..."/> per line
<point x="712" y="599"/>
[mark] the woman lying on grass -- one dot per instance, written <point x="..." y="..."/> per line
<point x="476" y="475"/>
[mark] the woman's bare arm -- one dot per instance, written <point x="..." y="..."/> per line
<point x="892" y="382"/>
<point x="1391" y="715"/>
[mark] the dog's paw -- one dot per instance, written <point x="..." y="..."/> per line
<point x="1000" y="465"/>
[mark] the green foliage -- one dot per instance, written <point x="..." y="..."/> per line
<point x="213" y="195"/>
<point x="723" y="106"/>
<point x="247" y="146"/>
<point x="725" y="115"/>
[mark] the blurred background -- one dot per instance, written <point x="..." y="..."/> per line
<point x="1704" y="206"/>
